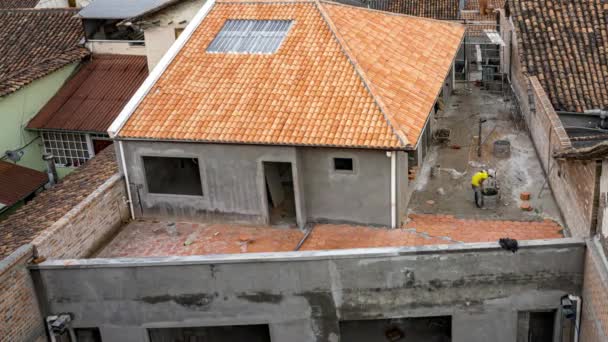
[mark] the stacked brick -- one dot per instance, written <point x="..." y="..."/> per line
<point x="594" y="324"/>
<point x="565" y="44"/>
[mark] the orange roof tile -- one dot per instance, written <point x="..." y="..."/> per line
<point x="344" y="76"/>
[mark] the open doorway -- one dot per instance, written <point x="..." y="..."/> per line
<point x="280" y="193"/>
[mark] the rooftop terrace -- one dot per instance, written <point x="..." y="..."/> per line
<point x="147" y="238"/>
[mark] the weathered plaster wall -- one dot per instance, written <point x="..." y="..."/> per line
<point x="18" y="108"/>
<point x="75" y="235"/>
<point x="304" y="295"/>
<point x="116" y="47"/>
<point x="162" y="34"/>
<point x="594" y="324"/>
<point x="573" y="182"/>
<point x="233" y="183"/>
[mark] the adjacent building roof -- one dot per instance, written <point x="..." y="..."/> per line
<point x="12" y="4"/>
<point x="343" y="76"/>
<point x="435" y="9"/>
<point x="92" y="99"/>
<point x="36" y="42"/>
<point x="18" y="182"/>
<point x="565" y="44"/>
<point x="50" y="205"/>
<point x="118" y="9"/>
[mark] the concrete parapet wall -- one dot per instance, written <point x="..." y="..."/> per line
<point x="303" y="296"/>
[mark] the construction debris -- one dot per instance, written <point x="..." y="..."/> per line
<point x="524" y="196"/>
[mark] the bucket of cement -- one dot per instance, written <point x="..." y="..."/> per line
<point x="490" y="198"/>
<point x="502" y="148"/>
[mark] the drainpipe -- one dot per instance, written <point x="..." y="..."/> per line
<point x="124" y="169"/>
<point x="393" y="156"/>
<point x="51" y="170"/>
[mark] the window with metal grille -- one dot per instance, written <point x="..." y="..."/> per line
<point x="68" y="149"/>
<point x="250" y="36"/>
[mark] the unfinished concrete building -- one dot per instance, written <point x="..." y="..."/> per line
<point x="309" y="124"/>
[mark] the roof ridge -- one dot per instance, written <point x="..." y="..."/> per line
<point x="55" y="9"/>
<point x="361" y="73"/>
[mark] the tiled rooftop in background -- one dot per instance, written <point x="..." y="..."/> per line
<point x="565" y="44"/>
<point x="27" y="222"/>
<point x="12" y="4"/>
<point x="150" y="238"/>
<point x="307" y="93"/>
<point x="36" y="42"/>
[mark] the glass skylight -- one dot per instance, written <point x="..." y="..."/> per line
<point x="250" y="36"/>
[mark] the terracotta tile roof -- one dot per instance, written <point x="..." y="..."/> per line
<point x="435" y="9"/>
<point x="50" y="205"/>
<point x="92" y="99"/>
<point x="308" y="92"/>
<point x="11" y="4"/>
<point x="36" y="42"/>
<point x="146" y="238"/>
<point x="18" y="182"/>
<point x="474" y="4"/>
<point x="565" y="44"/>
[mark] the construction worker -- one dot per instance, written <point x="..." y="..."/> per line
<point x="477" y="184"/>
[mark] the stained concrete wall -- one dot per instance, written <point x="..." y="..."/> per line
<point x="234" y="190"/>
<point x="304" y="295"/>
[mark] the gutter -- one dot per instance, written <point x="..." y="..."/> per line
<point x="128" y="184"/>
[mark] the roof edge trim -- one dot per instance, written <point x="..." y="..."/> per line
<point x="159" y="69"/>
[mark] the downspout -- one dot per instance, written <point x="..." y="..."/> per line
<point x="393" y="156"/>
<point x="124" y="169"/>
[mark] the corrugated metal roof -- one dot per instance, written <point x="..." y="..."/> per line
<point x="17" y="182"/>
<point x="92" y="99"/>
<point x="118" y="9"/>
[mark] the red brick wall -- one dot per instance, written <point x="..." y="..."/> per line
<point x="594" y="320"/>
<point x="75" y="235"/>
<point x="20" y="319"/>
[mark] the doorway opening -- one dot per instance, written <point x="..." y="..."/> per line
<point x="280" y="193"/>
<point x="250" y="333"/>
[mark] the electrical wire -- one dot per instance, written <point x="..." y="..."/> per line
<point x="4" y="156"/>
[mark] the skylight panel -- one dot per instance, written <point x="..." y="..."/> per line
<point x="250" y="36"/>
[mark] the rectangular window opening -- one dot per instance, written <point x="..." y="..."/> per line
<point x="343" y="164"/>
<point x="230" y="333"/>
<point x="250" y="36"/>
<point x="87" y="334"/>
<point x="68" y="149"/>
<point x="174" y="176"/>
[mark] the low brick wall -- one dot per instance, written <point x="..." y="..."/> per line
<point x="20" y="318"/>
<point x="81" y="231"/>
<point x="75" y="235"/>
<point x="594" y="323"/>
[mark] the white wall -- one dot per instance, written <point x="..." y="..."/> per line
<point x="160" y="35"/>
<point x="115" y="47"/>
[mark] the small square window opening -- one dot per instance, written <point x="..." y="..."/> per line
<point x="343" y="164"/>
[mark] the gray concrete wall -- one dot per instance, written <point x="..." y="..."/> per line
<point x="233" y="183"/>
<point x="362" y="196"/>
<point x="304" y="295"/>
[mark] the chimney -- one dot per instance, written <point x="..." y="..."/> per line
<point x="51" y="171"/>
<point x="483" y="6"/>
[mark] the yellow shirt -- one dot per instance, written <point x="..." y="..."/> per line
<point x="479" y="177"/>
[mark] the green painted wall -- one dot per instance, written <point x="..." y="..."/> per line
<point x="18" y="108"/>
